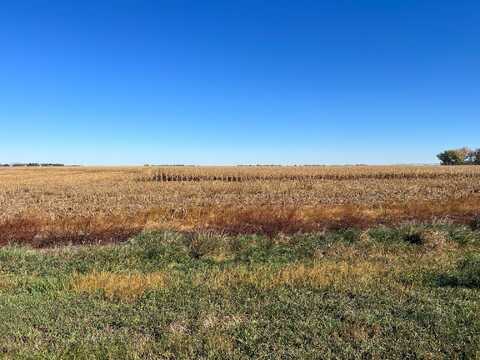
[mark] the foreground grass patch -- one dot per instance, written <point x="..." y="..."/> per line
<point x="163" y="295"/>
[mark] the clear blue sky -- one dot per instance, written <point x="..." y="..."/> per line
<point x="246" y="81"/>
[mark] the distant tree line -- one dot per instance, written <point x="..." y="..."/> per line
<point x="31" y="165"/>
<point x="463" y="156"/>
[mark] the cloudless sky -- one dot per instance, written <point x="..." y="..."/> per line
<point x="245" y="81"/>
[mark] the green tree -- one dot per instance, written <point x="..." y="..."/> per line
<point x="455" y="156"/>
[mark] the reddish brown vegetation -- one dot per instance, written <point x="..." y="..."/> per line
<point x="267" y="220"/>
<point x="42" y="232"/>
<point x="271" y="221"/>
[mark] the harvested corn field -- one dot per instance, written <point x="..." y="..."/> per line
<point x="46" y="207"/>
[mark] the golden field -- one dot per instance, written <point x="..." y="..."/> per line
<point x="49" y="206"/>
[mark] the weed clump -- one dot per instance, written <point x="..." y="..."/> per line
<point x="205" y="244"/>
<point x="414" y="238"/>
<point x="429" y="239"/>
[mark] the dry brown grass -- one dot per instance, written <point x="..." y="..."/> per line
<point x="6" y="282"/>
<point x="45" y="207"/>
<point x="127" y="287"/>
<point x="320" y="274"/>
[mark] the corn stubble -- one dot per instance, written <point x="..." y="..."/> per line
<point x="48" y="207"/>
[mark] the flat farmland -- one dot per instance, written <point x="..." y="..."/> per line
<point x="240" y="262"/>
<point x="43" y="207"/>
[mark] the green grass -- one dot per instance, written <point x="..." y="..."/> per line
<point x="344" y="294"/>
